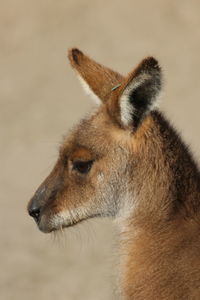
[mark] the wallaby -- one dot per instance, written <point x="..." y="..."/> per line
<point x="125" y="161"/>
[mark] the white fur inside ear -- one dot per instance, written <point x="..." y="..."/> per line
<point x="89" y="91"/>
<point x="127" y="109"/>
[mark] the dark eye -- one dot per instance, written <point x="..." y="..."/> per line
<point x="82" y="167"/>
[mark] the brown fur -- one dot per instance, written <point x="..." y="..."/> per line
<point x="98" y="77"/>
<point x="138" y="172"/>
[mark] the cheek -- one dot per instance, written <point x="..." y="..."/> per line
<point x="80" y="191"/>
<point x="75" y="195"/>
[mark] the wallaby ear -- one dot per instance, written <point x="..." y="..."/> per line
<point x="138" y="94"/>
<point x="96" y="79"/>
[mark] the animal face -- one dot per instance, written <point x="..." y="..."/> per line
<point x="92" y="174"/>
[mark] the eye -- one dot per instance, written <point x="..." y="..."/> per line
<point x="82" y="167"/>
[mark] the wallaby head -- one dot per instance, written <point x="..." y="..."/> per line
<point x="97" y="163"/>
<point x="112" y="163"/>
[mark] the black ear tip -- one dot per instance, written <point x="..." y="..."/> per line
<point x="75" y="55"/>
<point x="150" y="63"/>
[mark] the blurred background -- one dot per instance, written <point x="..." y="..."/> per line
<point x="41" y="99"/>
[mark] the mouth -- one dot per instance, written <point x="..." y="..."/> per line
<point x="58" y="223"/>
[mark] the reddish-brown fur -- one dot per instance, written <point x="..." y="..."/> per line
<point x="127" y="162"/>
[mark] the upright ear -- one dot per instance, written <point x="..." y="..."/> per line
<point x="138" y="94"/>
<point x="97" y="80"/>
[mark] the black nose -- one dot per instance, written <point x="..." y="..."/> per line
<point x="35" y="204"/>
<point x="34" y="212"/>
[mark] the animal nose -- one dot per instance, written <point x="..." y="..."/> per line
<point x="34" y="211"/>
<point x="35" y="204"/>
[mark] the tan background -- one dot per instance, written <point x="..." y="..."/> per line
<point x="41" y="99"/>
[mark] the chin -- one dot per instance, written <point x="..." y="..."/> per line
<point x="48" y="224"/>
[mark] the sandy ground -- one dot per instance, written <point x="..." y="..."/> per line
<point x="41" y="99"/>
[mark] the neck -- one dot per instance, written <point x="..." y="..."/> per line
<point x="170" y="177"/>
<point x="155" y="260"/>
<point x="162" y="214"/>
